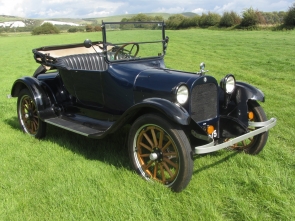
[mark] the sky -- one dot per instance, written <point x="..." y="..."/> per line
<point x="104" y="8"/>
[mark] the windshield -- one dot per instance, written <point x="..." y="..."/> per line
<point x="133" y="40"/>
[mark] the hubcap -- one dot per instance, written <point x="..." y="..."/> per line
<point x="153" y="156"/>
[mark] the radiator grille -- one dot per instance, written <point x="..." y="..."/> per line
<point x="204" y="102"/>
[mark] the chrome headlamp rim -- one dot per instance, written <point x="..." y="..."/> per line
<point x="228" y="83"/>
<point x="181" y="93"/>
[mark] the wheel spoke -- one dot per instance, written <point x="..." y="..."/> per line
<point x="31" y="127"/>
<point x="148" y="139"/>
<point x="25" y="107"/>
<point x="167" y="169"/>
<point x="145" y="167"/>
<point x="174" y="154"/>
<point x="171" y="163"/>
<point x="161" y="139"/>
<point x="26" y="103"/>
<point x="35" y="125"/>
<point x="162" y="173"/>
<point x="166" y="145"/>
<point x="154" y="137"/>
<point x="144" y="155"/>
<point x="155" y="170"/>
<point x="146" y="147"/>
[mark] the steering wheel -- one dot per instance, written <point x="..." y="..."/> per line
<point x="122" y="48"/>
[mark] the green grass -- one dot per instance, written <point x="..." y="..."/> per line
<point x="69" y="177"/>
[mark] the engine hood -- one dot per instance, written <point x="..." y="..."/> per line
<point x="157" y="82"/>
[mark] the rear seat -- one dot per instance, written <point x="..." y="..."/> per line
<point x="90" y="61"/>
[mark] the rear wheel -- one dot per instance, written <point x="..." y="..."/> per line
<point x="159" y="150"/>
<point x="28" y="115"/>
<point x="253" y="145"/>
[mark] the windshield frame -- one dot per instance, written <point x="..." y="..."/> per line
<point x="162" y="39"/>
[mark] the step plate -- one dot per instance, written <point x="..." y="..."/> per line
<point x="74" y="127"/>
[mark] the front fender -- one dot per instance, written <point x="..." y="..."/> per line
<point x="40" y="96"/>
<point x="250" y="92"/>
<point x="238" y="105"/>
<point x="173" y="111"/>
<point x="169" y="109"/>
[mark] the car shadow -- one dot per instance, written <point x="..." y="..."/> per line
<point x="112" y="149"/>
<point x="215" y="163"/>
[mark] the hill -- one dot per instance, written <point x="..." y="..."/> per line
<point x="6" y="18"/>
<point x="84" y="21"/>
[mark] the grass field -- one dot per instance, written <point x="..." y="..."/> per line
<point x="69" y="177"/>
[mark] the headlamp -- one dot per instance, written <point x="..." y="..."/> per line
<point x="182" y="94"/>
<point x="228" y="84"/>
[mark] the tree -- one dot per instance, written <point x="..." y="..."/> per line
<point x="249" y="18"/>
<point x="174" y="21"/>
<point x="290" y="16"/>
<point x="209" y="19"/>
<point x="89" y="28"/>
<point x="97" y="28"/>
<point x="46" y="28"/>
<point x="229" y="19"/>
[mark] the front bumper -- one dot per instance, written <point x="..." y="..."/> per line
<point x="264" y="126"/>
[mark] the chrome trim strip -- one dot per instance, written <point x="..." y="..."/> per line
<point x="265" y="126"/>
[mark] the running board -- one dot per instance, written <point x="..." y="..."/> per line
<point x="76" y="127"/>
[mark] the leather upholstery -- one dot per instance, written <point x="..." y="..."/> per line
<point x="90" y="61"/>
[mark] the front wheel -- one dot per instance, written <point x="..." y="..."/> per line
<point x="28" y="115"/>
<point x="159" y="150"/>
<point x="253" y="145"/>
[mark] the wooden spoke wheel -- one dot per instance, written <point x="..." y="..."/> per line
<point x="159" y="152"/>
<point x="28" y="115"/>
<point x="253" y="145"/>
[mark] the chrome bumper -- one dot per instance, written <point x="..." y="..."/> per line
<point x="264" y="126"/>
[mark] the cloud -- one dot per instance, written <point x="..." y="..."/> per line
<point x="170" y="10"/>
<point x="199" y="11"/>
<point x="12" y="8"/>
<point x="94" y="8"/>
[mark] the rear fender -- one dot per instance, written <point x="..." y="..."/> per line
<point x="39" y="94"/>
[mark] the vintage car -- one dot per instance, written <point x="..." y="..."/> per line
<point x="96" y="88"/>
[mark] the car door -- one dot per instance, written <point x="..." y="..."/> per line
<point x="88" y="87"/>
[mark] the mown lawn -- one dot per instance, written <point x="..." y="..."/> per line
<point x="69" y="177"/>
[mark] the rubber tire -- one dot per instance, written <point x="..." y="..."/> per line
<point x="181" y="142"/>
<point x="41" y="128"/>
<point x="259" y="141"/>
